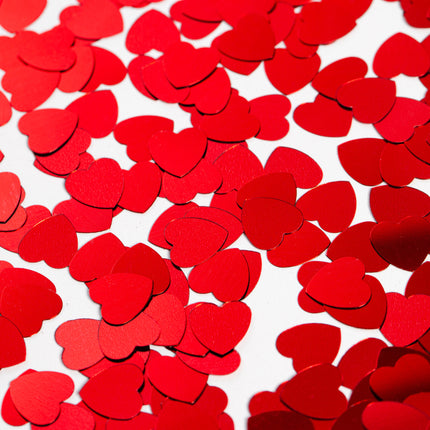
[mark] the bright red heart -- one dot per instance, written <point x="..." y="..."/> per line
<point x="212" y="364"/>
<point x="15" y="17"/>
<point x="10" y="192"/>
<point x="13" y="351"/>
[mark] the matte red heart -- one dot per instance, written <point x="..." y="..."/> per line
<point x="252" y="39"/>
<point x="266" y="221"/>
<point x="300" y="71"/>
<point x="48" y="129"/>
<point x="38" y="395"/>
<point x="401" y="54"/>
<point x="309" y="344"/>
<point x="371" y="99"/>
<point x="404" y="244"/>
<point x="220" y="329"/>
<point x="41" y="242"/>
<point x="407" y="318"/>
<point x="13" y="351"/>
<point x="176" y="380"/>
<point x="314" y="392"/>
<point x="15" y="17"/>
<point x="10" y="192"/>
<point x="114" y="392"/>
<point x="324" y="117"/>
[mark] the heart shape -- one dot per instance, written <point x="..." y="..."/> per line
<point x="101" y="185"/>
<point x="14" y="350"/>
<point x="193" y="240"/>
<point x="178" y="153"/>
<point x="324" y="117"/>
<point x="418" y="282"/>
<point x="401" y="54"/>
<point x="266" y="221"/>
<point x="309" y="344"/>
<point x="114" y="392"/>
<point x="404" y="244"/>
<point x="252" y="39"/>
<point x="168" y="374"/>
<point x="10" y="192"/>
<point x="212" y="364"/>
<point x="340" y="284"/>
<point x="333" y="205"/>
<point x="75" y="414"/>
<point x="407" y="319"/>
<point x="41" y="242"/>
<point x="220" y="329"/>
<point x="38" y="395"/>
<point x="79" y="338"/>
<point x="370" y="98"/>
<point x="121" y="296"/>
<point x="15" y="17"/>
<point x="314" y="392"/>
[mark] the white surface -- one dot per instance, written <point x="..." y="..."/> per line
<point x="274" y="301"/>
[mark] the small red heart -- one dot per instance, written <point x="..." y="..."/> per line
<point x="340" y="284"/>
<point x="332" y="205"/>
<point x="79" y="338"/>
<point x="407" y="319"/>
<point x="324" y="117"/>
<point x="152" y="30"/>
<point x="401" y="54"/>
<point x="121" y="295"/>
<point x="15" y="17"/>
<point x="13" y="351"/>
<point x="114" y="392"/>
<point x="41" y="242"/>
<point x="314" y="392"/>
<point x="178" y="153"/>
<point x="404" y="244"/>
<point x="371" y="99"/>
<point x="266" y="221"/>
<point x="309" y="344"/>
<point x="10" y="192"/>
<point x="71" y="414"/>
<point x="220" y="329"/>
<point x="100" y="186"/>
<point x="185" y="65"/>
<point x="8" y="411"/>
<point x="252" y="39"/>
<point x="176" y="380"/>
<point x="282" y="19"/>
<point x="300" y="71"/>
<point x="16" y="221"/>
<point x="38" y="395"/>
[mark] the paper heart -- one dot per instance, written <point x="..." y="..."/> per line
<point x="211" y="324"/>
<point x="314" y="392"/>
<point x="296" y="248"/>
<point x="226" y="275"/>
<point x="152" y="30"/>
<point x="212" y="364"/>
<point x="371" y="99"/>
<point x="252" y="39"/>
<point x="93" y="19"/>
<point x="100" y="186"/>
<point x="300" y="71"/>
<point x="10" y="192"/>
<point x="332" y="77"/>
<point x="79" y="338"/>
<point x="114" y="392"/>
<point x="406" y="114"/>
<point x="404" y="244"/>
<point x="340" y="284"/>
<point x="121" y="296"/>
<point x="309" y="344"/>
<point x="41" y="242"/>
<point x="185" y="65"/>
<point x="14" y="350"/>
<point x="178" y="153"/>
<point x="323" y="117"/>
<point x="38" y="395"/>
<point x="266" y="221"/>
<point x="15" y="17"/>
<point x="407" y="318"/>
<point x="168" y="375"/>
<point x="119" y="341"/>
<point x="401" y="54"/>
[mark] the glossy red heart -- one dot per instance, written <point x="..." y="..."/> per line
<point x="38" y="395"/>
<point x="212" y="364"/>
<point x="266" y="221"/>
<point x="418" y="282"/>
<point x="323" y="117"/>
<point x="314" y="392"/>
<point x="114" y="392"/>
<point x="13" y="351"/>
<point x="220" y="329"/>
<point x="10" y="191"/>
<point x="309" y="344"/>
<point x="15" y="17"/>
<point x="407" y="318"/>
<point x="41" y="242"/>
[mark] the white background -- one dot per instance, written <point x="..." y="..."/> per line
<point x="274" y="301"/>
